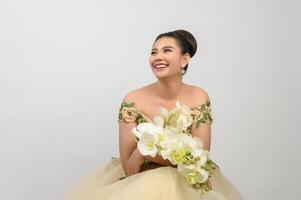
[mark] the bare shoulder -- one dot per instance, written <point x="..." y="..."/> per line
<point x="199" y="95"/>
<point x="137" y="95"/>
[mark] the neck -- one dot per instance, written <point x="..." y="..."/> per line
<point x="169" y="88"/>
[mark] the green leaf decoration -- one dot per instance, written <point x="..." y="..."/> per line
<point x="210" y="166"/>
<point x="203" y="108"/>
<point x="139" y="118"/>
<point x="207" y="103"/>
<point x="202" y="120"/>
<point x="131" y="104"/>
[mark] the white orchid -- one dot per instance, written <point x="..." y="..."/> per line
<point x="193" y="174"/>
<point x="183" y="149"/>
<point x="147" y="144"/>
<point x="164" y="138"/>
<point x="151" y="137"/>
<point x="178" y="119"/>
<point x="146" y="127"/>
<point x="178" y="150"/>
<point x="195" y="142"/>
<point x="202" y="158"/>
<point x="167" y="137"/>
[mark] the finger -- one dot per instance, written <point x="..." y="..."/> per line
<point x="128" y="170"/>
<point x="136" y="170"/>
<point x="131" y="170"/>
<point x="209" y="184"/>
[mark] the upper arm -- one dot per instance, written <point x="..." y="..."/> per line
<point x="201" y="127"/>
<point x="127" y="121"/>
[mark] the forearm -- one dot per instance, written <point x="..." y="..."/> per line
<point x="158" y="159"/>
<point x="125" y="155"/>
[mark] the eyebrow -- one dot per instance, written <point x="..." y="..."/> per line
<point x="164" y="47"/>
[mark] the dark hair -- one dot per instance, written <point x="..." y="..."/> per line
<point x="186" y="41"/>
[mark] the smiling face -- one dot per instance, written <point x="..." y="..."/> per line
<point x="166" y="58"/>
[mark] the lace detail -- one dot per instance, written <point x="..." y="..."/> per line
<point x="128" y="113"/>
<point x="202" y="113"/>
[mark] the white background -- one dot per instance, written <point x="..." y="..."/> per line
<point x="65" y="67"/>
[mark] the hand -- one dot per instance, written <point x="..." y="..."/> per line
<point x="134" y="163"/>
<point x="209" y="184"/>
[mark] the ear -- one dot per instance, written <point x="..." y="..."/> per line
<point x="185" y="59"/>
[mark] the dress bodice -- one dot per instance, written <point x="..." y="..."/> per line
<point x="129" y="113"/>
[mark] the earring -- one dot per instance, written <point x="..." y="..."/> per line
<point x="182" y="70"/>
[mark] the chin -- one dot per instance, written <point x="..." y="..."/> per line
<point x="162" y="76"/>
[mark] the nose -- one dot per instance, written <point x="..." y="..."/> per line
<point x="158" y="56"/>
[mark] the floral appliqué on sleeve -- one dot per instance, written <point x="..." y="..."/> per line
<point x="128" y="113"/>
<point x="202" y="113"/>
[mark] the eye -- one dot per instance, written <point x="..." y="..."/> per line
<point x="153" y="52"/>
<point x="167" y="50"/>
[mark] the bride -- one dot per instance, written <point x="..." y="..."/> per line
<point x="133" y="176"/>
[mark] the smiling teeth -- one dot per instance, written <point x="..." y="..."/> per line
<point x="160" y="66"/>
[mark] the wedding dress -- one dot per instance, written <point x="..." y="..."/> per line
<point x="154" y="182"/>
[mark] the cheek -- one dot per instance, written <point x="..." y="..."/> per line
<point x="174" y="59"/>
<point x="150" y="60"/>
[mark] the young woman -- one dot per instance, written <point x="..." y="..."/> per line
<point x="153" y="178"/>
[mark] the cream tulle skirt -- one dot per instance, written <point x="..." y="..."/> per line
<point x="163" y="183"/>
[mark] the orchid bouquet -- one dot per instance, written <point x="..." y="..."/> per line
<point x="169" y="137"/>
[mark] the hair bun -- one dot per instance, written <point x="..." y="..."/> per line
<point x="189" y="39"/>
